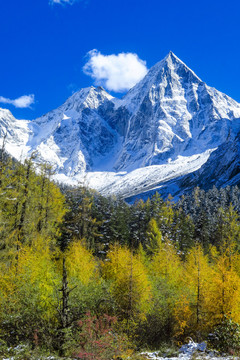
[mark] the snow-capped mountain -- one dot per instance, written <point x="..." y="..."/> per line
<point x="16" y="134"/>
<point x="174" y="113"/>
<point x="167" y="126"/>
<point x="76" y="136"/>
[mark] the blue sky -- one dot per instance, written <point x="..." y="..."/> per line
<point x="44" y="45"/>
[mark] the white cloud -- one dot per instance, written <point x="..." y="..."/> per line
<point x="115" y="72"/>
<point x="24" y="101"/>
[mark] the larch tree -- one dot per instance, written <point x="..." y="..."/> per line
<point x="197" y="275"/>
<point x="129" y="282"/>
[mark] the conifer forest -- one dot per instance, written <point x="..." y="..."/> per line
<point x="89" y="277"/>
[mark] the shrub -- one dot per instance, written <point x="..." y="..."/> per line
<point x="98" y="341"/>
<point x="226" y="337"/>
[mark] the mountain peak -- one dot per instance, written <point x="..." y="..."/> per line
<point x="171" y="55"/>
<point x="174" y="63"/>
<point x="90" y="96"/>
<point x="5" y="111"/>
<point x="169" y="75"/>
<point x="174" y="59"/>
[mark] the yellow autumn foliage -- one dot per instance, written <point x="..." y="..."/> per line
<point x="30" y="281"/>
<point x="223" y="292"/>
<point x="166" y="263"/>
<point x="80" y="263"/>
<point x="197" y="274"/>
<point x="130" y="285"/>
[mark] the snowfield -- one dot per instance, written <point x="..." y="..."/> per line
<point x="125" y="184"/>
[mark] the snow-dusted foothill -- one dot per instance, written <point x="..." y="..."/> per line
<point x="171" y="124"/>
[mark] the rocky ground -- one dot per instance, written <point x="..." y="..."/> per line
<point x="190" y="351"/>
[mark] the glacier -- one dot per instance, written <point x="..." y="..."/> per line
<point x="170" y="132"/>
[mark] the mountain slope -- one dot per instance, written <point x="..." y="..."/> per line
<point x="222" y="168"/>
<point x="74" y="137"/>
<point x="16" y="133"/>
<point x="163" y="129"/>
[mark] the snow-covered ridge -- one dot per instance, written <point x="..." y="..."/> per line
<point x="16" y="134"/>
<point x="165" y="127"/>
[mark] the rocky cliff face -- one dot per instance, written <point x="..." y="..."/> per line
<point x="164" y="128"/>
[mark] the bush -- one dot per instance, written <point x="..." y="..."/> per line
<point x="98" y="341"/>
<point x="226" y="337"/>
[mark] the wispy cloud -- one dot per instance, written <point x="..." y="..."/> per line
<point x="115" y="72"/>
<point x="63" y="2"/>
<point x="24" y="101"/>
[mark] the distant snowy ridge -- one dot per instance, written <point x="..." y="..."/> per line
<point x="163" y="129"/>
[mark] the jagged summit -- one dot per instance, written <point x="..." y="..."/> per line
<point x="16" y="133"/>
<point x="166" y="75"/>
<point x="90" y="96"/>
<point x="172" y="64"/>
<point x="171" y="56"/>
<point x="166" y="126"/>
<point x="172" y="59"/>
